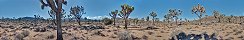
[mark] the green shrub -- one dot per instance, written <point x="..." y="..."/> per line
<point x="107" y="21"/>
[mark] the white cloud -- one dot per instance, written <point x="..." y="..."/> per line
<point x="97" y="17"/>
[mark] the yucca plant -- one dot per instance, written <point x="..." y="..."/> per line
<point x="153" y="14"/>
<point x="77" y="12"/>
<point x="113" y="14"/>
<point x="217" y="15"/>
<point x="200" y="9"/>
<point x="175" y="13"/>
<point x="147" y="18"/>
<point x="125" y="12"/>
<point x="167" y="17"/>
<point x="56" y="6"/>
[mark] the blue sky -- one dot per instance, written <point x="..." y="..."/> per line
<point x="101" y="8"/>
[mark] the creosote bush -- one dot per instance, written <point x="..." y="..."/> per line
<point x="25" y="33"/>
<point x="107" y="21"/>
<point x="125" y="36"/>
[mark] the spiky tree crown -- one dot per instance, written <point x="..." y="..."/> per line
<point x="153" y="14"/>
<point x="174" y="12"/>
<point x="77" y="11"/>
<point x="51" y="3"/>
<point x="126" y="10"/>
<point x="113" y="13"/>
<point x="198" y="8"/>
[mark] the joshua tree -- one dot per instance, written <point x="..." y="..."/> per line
<point x="147" y="18"/>
<point x="52" y="14"/>
<point x="56" y="6"/>
<point x="136" y="20"/>
<point x="113" y="14"/>
<point x="175" y="13"/>
<point x="230" y="19"/>
<point x="142" y="20"/>
<point x="217" y="15"/>
<point x="199" y="9"/>
<point x="69" y="17"/>
<point x="125" y="12"/>
<point x="167" y="17"/>
<point x="153" y="14"/>
<point x="77" y="12"/>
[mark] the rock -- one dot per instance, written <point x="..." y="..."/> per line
<point x="25" y="27"/>
<point x="11" y="27"/>
<point x="144" y="37"/>
<point x="19" y="37"/>
<point x="189" y="36"/>
<point x="150" y="33"/>
<point x="43" y="30"/>
<point x="197" y="37"/>
<point x="38" y="29"/>
<point x="181" y="36"/>
<point x="213" y="36"/>
<point x="135" y="37"/>
<point x="25" y="33"/>
<point x="172" y="38"/>
<point x="206" y="37"/>
<point x="91" y="27"/>
<point x="151" y="27"/>
<point x="113" y="36"/>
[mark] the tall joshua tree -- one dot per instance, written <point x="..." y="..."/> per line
<point x="77" y="12"/>
<point x="153" y="14"/>
<point x="55" y="5"/>
<point x="175" y="13"/>
<point x="125" y="12"/>
<point x="199" y="9"/>
<point x="113" y="14"/>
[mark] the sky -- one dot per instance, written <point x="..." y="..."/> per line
<point x="95" y="9"/>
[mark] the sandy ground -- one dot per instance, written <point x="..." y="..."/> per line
<point x="227" y="31"/>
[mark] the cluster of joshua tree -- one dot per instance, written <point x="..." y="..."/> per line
<point x="56" y="13"/>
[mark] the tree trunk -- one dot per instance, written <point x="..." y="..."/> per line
<point x="58" y="17"/>
<point x="219" y="20"/>
<point x="114" y="22"/>
<point x="176" y="21"/>
<point x="125" y="23"/>
<point x="59" y="30"/>
<point x="78" y="20"/>
<point x="153" y="20"/>
<point x="200" y="21"/>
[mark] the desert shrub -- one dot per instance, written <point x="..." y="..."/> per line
<point x="145" y="37"/>
<point x="150" y="33"/>
<point x="25" y="33"/>
<point x="19" y="37"/>
<point x="4" y="38"/>
<point x="38" y="29"/>
<point x="107" y="21"/>
<point x="50" y="36"/>
<point x="98" y="32"/>
<point x="125" y="36"/>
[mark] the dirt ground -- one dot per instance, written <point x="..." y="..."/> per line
<point x="27" y="31"/>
